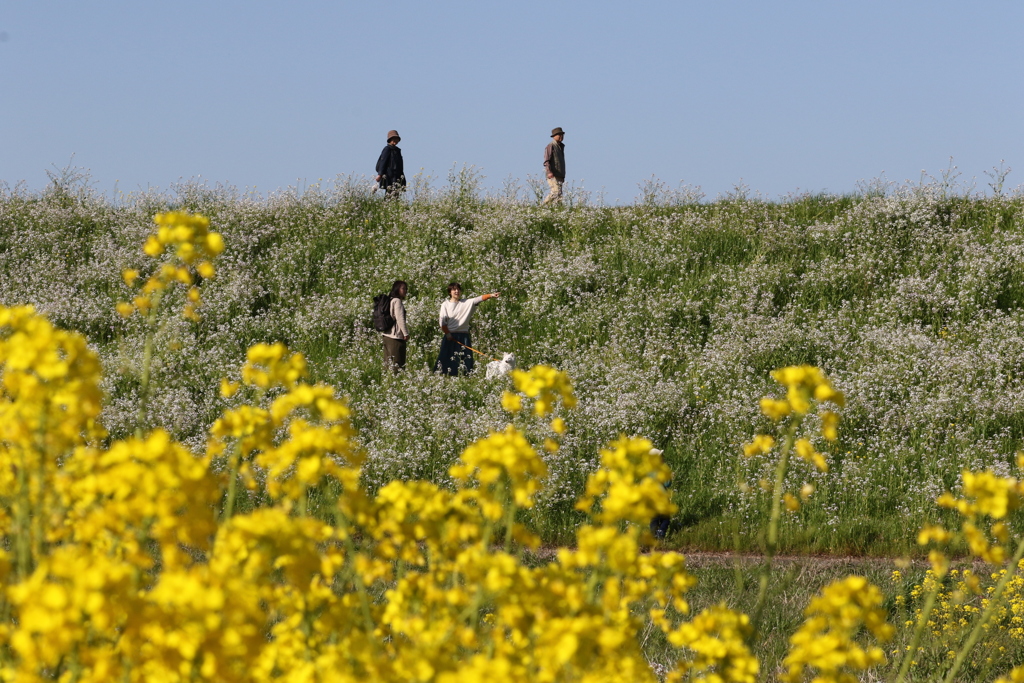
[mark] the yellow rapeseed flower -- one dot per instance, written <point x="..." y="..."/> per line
<point x="512" y="403"/>
<point x="939" y="562"/>
<point x="931" y="532"/>
<point x="762" y="443"/>
<point x="1016" y="675"/>
<point x="718" y="638"/>
<point x="827" y="642"/>
<point x="775" y="409"/>
<point x="630" y="485"/>
<point x="546" y="386"/>
<point x="503" y="454"/>
<point x="228" y="389"/>
<point x="829" y="424"/>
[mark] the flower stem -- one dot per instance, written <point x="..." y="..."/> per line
<point x="147" y="365"/>
<point x="38" y="516"/>
<point x="922" y="622"/>
<point x="772" y="537"/>
<point x="233" y="467"/>
<point x="23" y="543"/>
<point x="510" y="519"/>
<point x="357" y="579"/>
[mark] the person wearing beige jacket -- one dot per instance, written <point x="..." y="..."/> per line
<point x="396" y="340"/>
<point x="554" y="166"/>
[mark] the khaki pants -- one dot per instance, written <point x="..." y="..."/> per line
<point x="555" y="195"/>
<point x="394" y="353"/>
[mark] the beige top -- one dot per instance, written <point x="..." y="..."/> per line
<point x="399" y="331"/>
<point x="455" y="315"/>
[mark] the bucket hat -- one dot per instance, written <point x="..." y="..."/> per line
<point x="394" y="134"/>
<point x="557" y="131"/>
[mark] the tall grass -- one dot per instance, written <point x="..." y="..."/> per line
<point x="668" y="314"/>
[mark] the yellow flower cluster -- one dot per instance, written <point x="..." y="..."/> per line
<point x="1015" y="676"/>
<point x="188" y="235"/>
<point x="136" y="560"/>
<point x="270" y="365"/>
<point x="501" y="455"/>
<point x="762" y="443"/>
<point x="49" y="403"/>
<point x="50" y="385"/>
<point x="986" y="495"/>
<point x="630" y="486"/>
<point x="192" y="246"/>
<point x="542" y="383"/>
<point x="718" y="637"/>
<point x="124" y="568"/>
<point x="805" y="386"/>
<point x="805" y="450"/>
<point x="964" y="596"/>
<point x="954" y="609"/>
<point x="960" y="596"/>
<point x="152" y="484"/>
<point x="803" y="383"/>
<point x="992" y="495"/>
<point x="318" y="442"/>
<point x="953" y="616"/>
<point x="826" y="644"/>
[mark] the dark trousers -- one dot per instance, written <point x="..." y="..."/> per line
<point x="453" y="357"/>
<point x="394" y="353"/>
<point x="659" y="526"/>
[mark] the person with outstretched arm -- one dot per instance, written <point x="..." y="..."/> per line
<point x="454" y="319"/>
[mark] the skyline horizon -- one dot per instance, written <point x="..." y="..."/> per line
<point x="795" y="96"/>
<point x="951" y="177"/>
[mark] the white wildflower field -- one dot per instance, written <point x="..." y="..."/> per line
<point x="668" y="315"/>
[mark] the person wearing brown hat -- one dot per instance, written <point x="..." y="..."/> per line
<point x="554" y="164"/>
<point x="390" y="170"/>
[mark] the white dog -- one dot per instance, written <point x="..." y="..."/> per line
<point x="497" y="368"/>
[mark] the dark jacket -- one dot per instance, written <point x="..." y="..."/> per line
<point x="554" y="159"/>
<point x="390" y="167"/>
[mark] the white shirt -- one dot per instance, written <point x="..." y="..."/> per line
<point x="456" y="314"/>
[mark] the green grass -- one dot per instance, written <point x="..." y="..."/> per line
<point x="797" y="580"/>
<point x="669" y="318"/>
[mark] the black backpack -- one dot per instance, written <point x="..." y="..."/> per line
<point x="383" y="321"/>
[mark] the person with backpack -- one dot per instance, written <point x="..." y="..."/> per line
<point x="389" y="320"/>
<point x="454" y="318"/>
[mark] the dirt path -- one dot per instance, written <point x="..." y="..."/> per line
<point x="703" y="558"/>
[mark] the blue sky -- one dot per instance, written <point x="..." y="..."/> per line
<point x="781" y="96"/>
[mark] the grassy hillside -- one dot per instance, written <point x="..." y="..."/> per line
<point x="668" y="314"/>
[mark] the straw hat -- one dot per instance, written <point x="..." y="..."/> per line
<point x="394" y="134"/>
